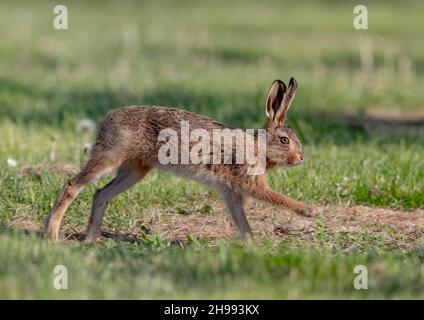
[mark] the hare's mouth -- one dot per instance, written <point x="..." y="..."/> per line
<point x="294" y="160"/>
<point x="292" y="164"/>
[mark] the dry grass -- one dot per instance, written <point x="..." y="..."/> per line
<point x="56" y="167"/>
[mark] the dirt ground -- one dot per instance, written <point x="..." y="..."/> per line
<point x="391" y="228"/>
<point x="278" y="224"/>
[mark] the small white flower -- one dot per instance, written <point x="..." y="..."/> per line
<point x="86" y="146"/>
<point x="86" y="125"/>
<point x="12" y="162"/>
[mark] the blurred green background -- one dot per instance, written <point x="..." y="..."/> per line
<point x="358" y="111"/>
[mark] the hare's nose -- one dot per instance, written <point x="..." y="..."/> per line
<point x="301" y="156"/>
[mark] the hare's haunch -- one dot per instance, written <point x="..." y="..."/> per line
<point x="133" y="140"/>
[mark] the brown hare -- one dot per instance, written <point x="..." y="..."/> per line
<point x="129" y="141"/>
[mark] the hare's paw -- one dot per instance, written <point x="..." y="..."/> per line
<point x="51" y="230"/>
<point x="93" y="238"/>
<point x="309" y="211"/>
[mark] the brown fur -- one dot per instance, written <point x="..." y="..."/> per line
<point x="127" y="141"/>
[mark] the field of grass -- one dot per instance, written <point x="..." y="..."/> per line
<point x="359" y="111"/>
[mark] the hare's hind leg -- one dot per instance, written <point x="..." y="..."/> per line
<point x="234" y="203"/>
<point x="93" y="170"/>
<point x="127" y="177"/>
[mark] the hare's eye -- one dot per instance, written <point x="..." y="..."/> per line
<point x="284" y="140"/>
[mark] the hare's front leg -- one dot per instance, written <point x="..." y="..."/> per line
<point x="234" y="203"/>
<point x="278" y="199"/>
<point x="257" y="187"/>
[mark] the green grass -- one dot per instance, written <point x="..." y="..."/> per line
<point x="217" y="59"/>
<point x="156" y="270"/>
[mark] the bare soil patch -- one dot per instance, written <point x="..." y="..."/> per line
<point x="279" y="225"/>
<point x="393" y="228"/>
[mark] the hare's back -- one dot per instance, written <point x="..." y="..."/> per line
<point x="159" y="117"/>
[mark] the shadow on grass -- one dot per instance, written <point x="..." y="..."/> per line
<point x="146" y="240"/>
<point x="245" y="110"/>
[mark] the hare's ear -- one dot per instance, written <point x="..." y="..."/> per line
<point x="273" y="101"/>
<point x="280" y="116"/>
